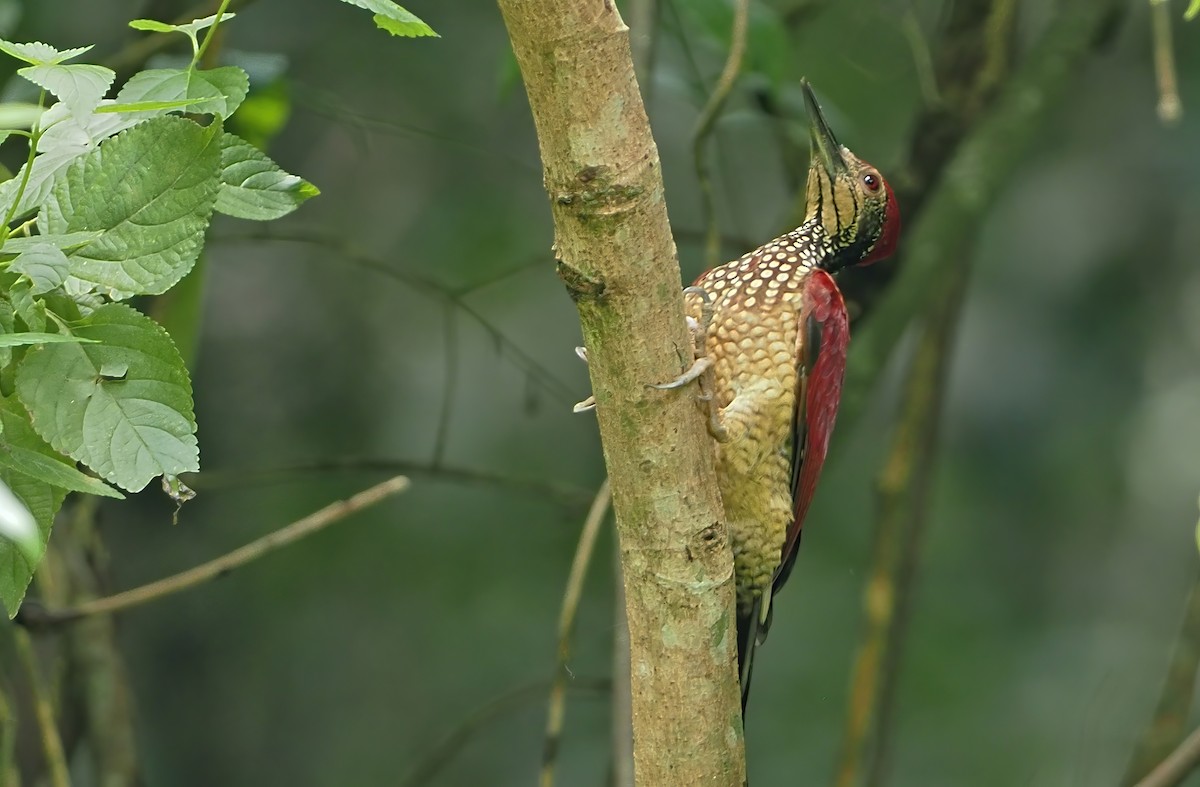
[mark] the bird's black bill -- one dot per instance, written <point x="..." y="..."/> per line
<point x="825" y="146"/>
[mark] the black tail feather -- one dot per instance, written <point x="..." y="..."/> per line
<point x="752" y="630"/>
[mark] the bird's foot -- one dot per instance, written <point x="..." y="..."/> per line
<point x="702" y="370"/>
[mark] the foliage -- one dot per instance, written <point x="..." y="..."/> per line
<point x="113" y="202"/>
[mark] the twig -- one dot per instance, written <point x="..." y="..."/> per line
<point x="137" y="52"/>
<point x="443" y="752"/>
<point x="704" y="126"/>
<point x="450" y="388"/>
<point x="286" y="535"/>
<point x="562" y="494"/>
<point x="338" y="244"/>
<point x="91" y="661"/>
<point x="566" y="628"/>
<point x="947" y="228"/>
<point x="8" y="739"/>
<point x="1170" y="108"/>
<point x="902" y="490"/>
<point x="922" y="60"/>
<point x="56" y="758"/>
<point x="1170" y="717"/>
<point x="1176" y="767"/>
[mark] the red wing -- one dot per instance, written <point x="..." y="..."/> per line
<point x="821" y="340"/>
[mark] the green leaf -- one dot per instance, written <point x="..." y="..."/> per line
<point x="52" y="471"/>
<point x="7" y="325"/>
<point x="45" y="265"/>
<point x="150" y="192"/>
<point x="1192" y="10"/>
<point x="39" y="54"/>
<point x="69" y="241"/>
<point x="27" y="338"/>
<point x="153" y="26"/>
<point x="254" y="187"/>
<point x="80" y="86"/>
<point x="31" y="310"/>
<point x="191" y="29"/>
<point x="394" y="19"/>
<point x="129" y="429"/>
<point x="196" y="25"/>
<point x="157" y="107"/>
<point x="65" y="139"/>
<point x="216" y="91"/>
<point x="263" y="114"/>
<point x="40" y="498"/>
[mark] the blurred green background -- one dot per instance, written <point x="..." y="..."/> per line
<point x="411" y="316"/>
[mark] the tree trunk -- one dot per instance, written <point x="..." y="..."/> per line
<point x="618" y="261"/>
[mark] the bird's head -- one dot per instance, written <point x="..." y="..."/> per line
<point x="848" y="197"/>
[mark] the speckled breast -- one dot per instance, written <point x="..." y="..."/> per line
<point x="752" y="340"/>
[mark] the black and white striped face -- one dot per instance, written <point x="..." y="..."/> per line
<point x="853" y="205"/>
<point x="847" y="198"/>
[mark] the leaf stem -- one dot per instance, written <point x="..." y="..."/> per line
<point x="35" y="135"/>
<point x="209" y="33"/>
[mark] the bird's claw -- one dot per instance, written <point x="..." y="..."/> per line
<point x="697" y="370"/>
<point x="590" y="402"/>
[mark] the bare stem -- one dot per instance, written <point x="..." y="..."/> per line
<point x="1174" y="702"/>
<point x="52" y="747"/>
<point x="566" y="495"/>
<point x="334" y="512"/>
<point x="704" y="127"/>
<point x="903" y="489"/>
<point x="566" y="629"/>
<point x="1177" y="766"/>
<point x="1170" y="108"/>
<point x="442" y="753"/>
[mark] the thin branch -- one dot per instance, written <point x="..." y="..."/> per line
<point x="334" y="512"/>
<point x="706" y="123"/>
<point x="1167" y="728"/>
<point x="442" y="753"/>
<point x="1170" y="107"/>
<point x="922" y="60"/>
<point x="8" y="740"/>
<point x="325" y="104"/>
<point x="101" y="697"/>
<point x="450" y="389"/>
<point x="562" y="494"/>
<point x="566" y="629"/>
<point x="903" y="490"/>
<point x="1177" y="766"/>
<point x="340" y="246"/>
<point x="52" y="747"/>
<point x="945" y="232"/>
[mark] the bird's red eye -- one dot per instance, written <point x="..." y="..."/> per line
<point x="870" y="182"/>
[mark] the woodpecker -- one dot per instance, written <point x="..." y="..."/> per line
<point x="771" y="332"/>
